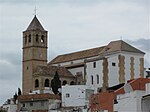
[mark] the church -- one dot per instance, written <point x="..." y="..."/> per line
<point x="104" y="66"/>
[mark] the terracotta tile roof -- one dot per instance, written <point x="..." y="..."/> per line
<point x="77" y="55"/>
<point x="51" y="70"/>
<point x="120" y="45"/>
<point x="30" y="97"/>
<point x="35" y="25"/>
<point x="113" y="46"/>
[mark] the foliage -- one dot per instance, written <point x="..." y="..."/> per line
<point x="15" y="97"/>
<point x="19" y="92"/>
<point x="55" y="83"/>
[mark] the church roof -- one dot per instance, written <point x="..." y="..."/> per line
<point x="121" y="45"/>
<point x="51" y="70"/>
<point x="35" y="25"/>
<point x="113" y="46"/>
<point x="77" y="55"/>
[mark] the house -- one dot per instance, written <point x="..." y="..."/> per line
<point x="124" y="97"/>
<point x="38" y="102"/>
<point x="76" y="97"/>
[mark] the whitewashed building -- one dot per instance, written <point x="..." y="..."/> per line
<point x="104" y="66"/>
<point x="135" y="101"/>
<point x="76" y="96"/>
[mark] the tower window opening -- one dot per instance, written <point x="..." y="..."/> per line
<point x="42" y="39"/>
<point x="37" y="38"/>
<point x="46" y="84"/>
<point x="25" y="39"/>
<point x="29" y="38"/>
<point x="36" y="83"/>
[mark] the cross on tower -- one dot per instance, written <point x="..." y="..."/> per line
<point x="35" y="11"/>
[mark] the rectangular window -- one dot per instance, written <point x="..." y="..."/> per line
<point x="97" y="78"/>
<point x="113" y="64"/>
<point x="92" y="80"/>
<point x="31" y="104"/>
<point x="94" y="64"/>
<point x="67" y="95"/>
<point x="23" y="105"/>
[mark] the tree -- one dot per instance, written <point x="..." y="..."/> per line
<point x="55" y="83"/>
<point x="15" y="97"/>
<point x="19" y="91"/>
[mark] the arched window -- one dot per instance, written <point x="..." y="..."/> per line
<point x="72" y="83"/>
<point x="37" y="38"/>
<point x="92" y="79"/>
<point x="29" y="38"/>
<point x="97" y="77"/>
<point x="25" y="39"/>
<point x="46" y="84"/>
<point x="42" y="39"/>
<point x="36" y="83"/>
<point x="64" y="82"/>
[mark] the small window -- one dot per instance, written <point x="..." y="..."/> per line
<point x="42" y="39"/>
<point x="72" y="83"/>
<point x="46" y="84"/>
<point x="71" y="62"/>
<point x="25" y="39"/>
<point x="94" y="64"/>
<point x="23" y="105"/>
<point x="29" y="38"/>
<point x="64" y="82"/>
<point x="67" y="95"/>
<point x="36" y="83"/>
<point x="27" y="67"/>
<point x="37" y="38"/>
<point x="113" y="64"/>
<point x="92" y="80"/>
<point x="31" y="104"/>
<point x="97" y="76"/>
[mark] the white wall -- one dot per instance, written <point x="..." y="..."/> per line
<point x="113" y="71"/>
<point x="94" y="71"/>
<point x="129" y="102"/>
<point x="77" y="95"/>
<point x="136" y="64"/>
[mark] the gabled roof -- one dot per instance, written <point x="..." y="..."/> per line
<point x="35" y="25"/>
<point x="77" y="55"/>
<point x="120" y="45"/>
<point x="51" y="70"/>
<point x="113" y="46"/>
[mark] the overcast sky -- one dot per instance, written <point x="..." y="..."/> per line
<point x="72" y="25"/>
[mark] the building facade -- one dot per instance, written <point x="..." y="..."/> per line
<point x="98" y="67"/>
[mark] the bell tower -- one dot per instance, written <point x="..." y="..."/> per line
<point x="34" y="52"/>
